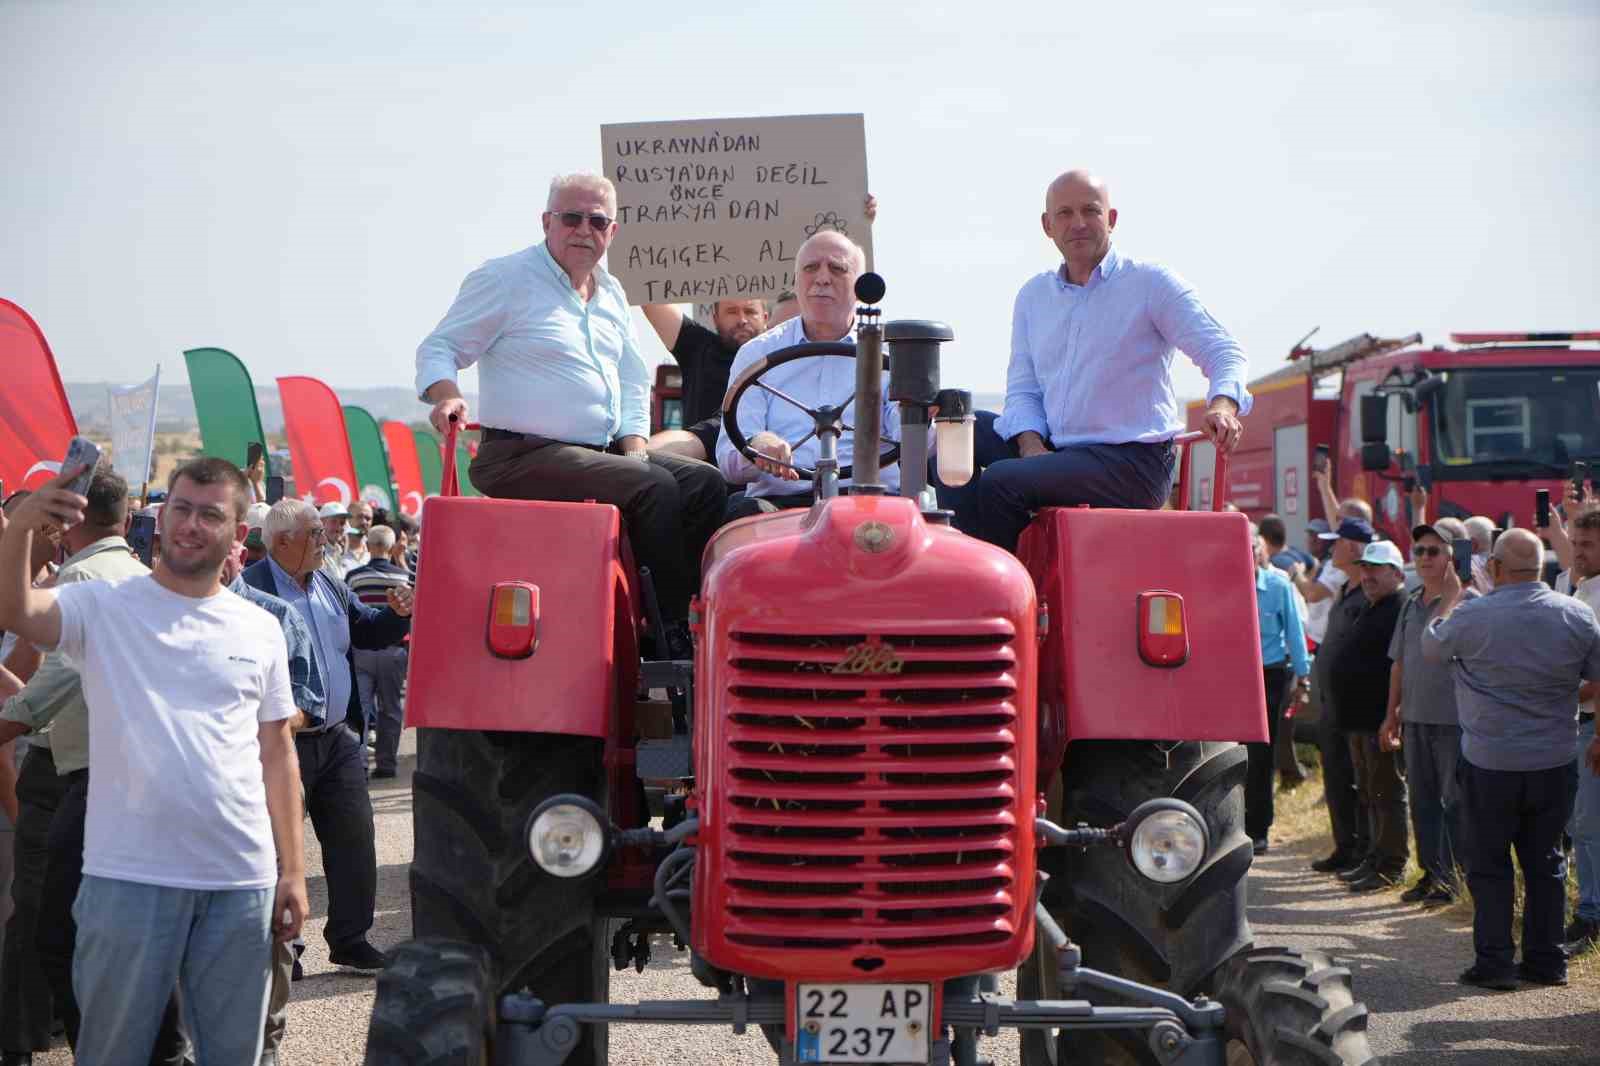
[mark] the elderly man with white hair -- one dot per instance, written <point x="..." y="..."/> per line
<point x="1481" y="530"/>
<point x="826" y="268"/>
<point x="565" y="393"/>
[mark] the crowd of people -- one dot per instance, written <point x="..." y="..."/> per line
<point x="1454" y="709"/>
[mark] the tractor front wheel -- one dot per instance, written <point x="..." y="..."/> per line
<point x="1291" y="1008"/>
<point x="435" y="1005"/>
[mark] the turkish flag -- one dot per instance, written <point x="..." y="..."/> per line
<point x="405" y="466"/>
<point x="319" y="447"/>
<point x="35" y="421"/>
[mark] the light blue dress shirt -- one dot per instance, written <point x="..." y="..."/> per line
<point x="829" y="379"/>
<point x="330" y="630"/>
<point x="1092" y="364"/>
<point x="552" y="363"/>
<point x="1283" y="638"/>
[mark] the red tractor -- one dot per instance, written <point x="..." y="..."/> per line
<point x="902" y="763"/>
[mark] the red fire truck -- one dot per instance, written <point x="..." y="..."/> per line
<point x="1480" y="424"/>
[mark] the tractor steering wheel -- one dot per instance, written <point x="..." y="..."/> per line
<point x="821" y="416"/>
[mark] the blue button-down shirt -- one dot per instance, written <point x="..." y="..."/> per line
<point x="1283" y="637"/>
<point x="1092" y="364"/>
<point x="828" y="379"/>
<point x="330" y="632"/>
<point x="552" y="363"/>
<point x="305" y="676"/>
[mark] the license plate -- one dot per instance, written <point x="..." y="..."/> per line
<point x="862" y="1023"/>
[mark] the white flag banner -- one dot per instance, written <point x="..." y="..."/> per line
<point x="133" y="429"/>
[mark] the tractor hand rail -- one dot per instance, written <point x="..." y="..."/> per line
<point x="1219" y="471"/>
<point x="450" y="483"/>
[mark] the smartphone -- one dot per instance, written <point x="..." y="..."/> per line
<point x="81" y="451"/>
<point x="274" y="489"/>
<point x="253" y="454"/>
<point x="1321" y="458"/>
<point x="142" y="537"/>
<point x="1461" y="548"/>
<point x="1541" y="508"/>
<point x="1580" y="474"/>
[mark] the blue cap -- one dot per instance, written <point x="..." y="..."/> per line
<point x="1356" y="529"/>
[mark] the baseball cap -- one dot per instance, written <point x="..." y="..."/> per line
<point x="1427" y="529"/>
<point x="1356" y="529"/>
<point x="333" y="510"/>
<point x="1382" y="553"/>
<point x="1318" y="526"/>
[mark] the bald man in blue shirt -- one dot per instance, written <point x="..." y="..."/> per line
<point x="1090" y="407"/>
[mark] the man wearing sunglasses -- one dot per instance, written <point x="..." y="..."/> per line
<point x="565" y="392"/>
<point x="1518" y="656"/>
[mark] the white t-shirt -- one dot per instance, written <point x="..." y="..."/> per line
<point x="176" y="689"/>
<point x="1333" y="579"/>
<point x="1588" y="592"/>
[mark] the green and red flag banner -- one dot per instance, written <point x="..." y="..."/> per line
<point x="319" y="446"/>
<point x="372" y="465"/>
<point x="225" y="403"/>
<point x="430" y="456"/>
<point x="35" y="420"/>
<point x="404" y="464"/>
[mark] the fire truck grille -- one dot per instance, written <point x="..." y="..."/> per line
<point x="872" y="789"/>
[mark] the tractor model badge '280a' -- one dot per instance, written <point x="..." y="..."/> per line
<point x="902" y="763"/>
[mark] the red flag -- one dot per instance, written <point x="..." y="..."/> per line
<point x="319" y="447"/>
<point x="35" y="421"/>
<point x="405" y="466"/>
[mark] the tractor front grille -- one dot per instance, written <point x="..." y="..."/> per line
<point x="872" y="809"/>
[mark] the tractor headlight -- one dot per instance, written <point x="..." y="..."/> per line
<point x="1167" y="840"/>
<point x="568" y="836"/>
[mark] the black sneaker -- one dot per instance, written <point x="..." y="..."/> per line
<point x="1558" y="977"/>
<point x="1357" y="873"/>
<point x="1496" y="981"/>
<point x="1375" y="882"/>
<point x="1339" y="860"/>
<point x="1419" y="891"/>
<point x="358" y="955"/>
<point x="1438" y="896"/>
<point x="1259" y="845"/>
<point x="1581" y="935"/>
<point x="384" y="775"/>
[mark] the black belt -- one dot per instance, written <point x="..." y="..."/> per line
<point x="1585" y="716"/>
<point x="490" y="434"/>
<point x="324" y="731"/>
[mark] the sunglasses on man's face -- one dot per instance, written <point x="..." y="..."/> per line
<point x="1427" y="551"/>
<point x="574" y="219"/>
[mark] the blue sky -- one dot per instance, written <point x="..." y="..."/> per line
<point x="307" y="184"/>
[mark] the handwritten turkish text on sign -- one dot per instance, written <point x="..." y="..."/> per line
<point x="715" y="209"/>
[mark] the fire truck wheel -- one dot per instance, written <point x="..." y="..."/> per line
<point x="473" y="880"/>
<point x="435" y="1005"/>
<point x="1293" y="1008"/>
<point x="1174" y="936"/>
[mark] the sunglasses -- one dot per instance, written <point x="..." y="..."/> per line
<point x="1427" y="552"/>
<point x="574" y="219"/>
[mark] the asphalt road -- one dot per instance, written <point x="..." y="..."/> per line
<point x="1405" y="962"/>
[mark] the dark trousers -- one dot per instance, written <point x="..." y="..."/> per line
<point x="1260" y="773"/>
<point x="25" y="1002"/>
<point x="333" y="770"/>
<point x="1527" y="811"/>
<point x="1100" y="475"/>
<point x="58" y="932"/>
<point x="1381" y="794"/>
<point x="742" y="506"/>
<point x="382" y="673"/>
<point x="987" y="449"/>
<point x="1431" y="754"/>
<point x="670" y="506"/>
<point x="1338" y="779"/>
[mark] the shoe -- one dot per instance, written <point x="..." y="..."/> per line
<point x="1419" y="891"/>
<point x="298" y="973"/>
<point x="1580" y="936"/>
<point x="1438" y="896"/>
<point x="1259" y="845"/>
<point x="381" y="775"/>
<point x="1374" y="882"/>
<point x="1532" y="976"/>
<point x="358" y="955"/>
<point x="1339" y="860"/>
<point x="1482" y="977"/>
<point x="1357" y="873"/>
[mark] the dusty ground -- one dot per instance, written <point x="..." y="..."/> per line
<point x="1405" y="962"/>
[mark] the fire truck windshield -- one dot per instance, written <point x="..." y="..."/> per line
<point x="1524" y="421"/>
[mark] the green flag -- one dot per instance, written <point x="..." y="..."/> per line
<point x="372" y="462"/>
<point x="430" y="457"/>
<point x="225" y="403"/>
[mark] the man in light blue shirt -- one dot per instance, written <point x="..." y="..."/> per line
<point x="826" y="268"/>
<point x="565" y="392"/>
<point x="1090" y="407"/>
<point x="1283" y="655"/>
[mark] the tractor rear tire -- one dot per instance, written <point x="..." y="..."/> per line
<point x="472" y="878"/>
<point x="1173" y="936"/>
<point x="435" y="1006"/>
<point x="1291" y="1008"/>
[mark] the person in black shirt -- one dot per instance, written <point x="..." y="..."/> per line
<point x="1360" y="681"/>
<point x="704" y="356"/>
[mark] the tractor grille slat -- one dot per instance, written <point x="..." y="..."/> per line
<point x="872" y="791"/>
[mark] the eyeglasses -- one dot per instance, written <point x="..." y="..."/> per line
<point x="574" y="219"/>
<point x="1427" y="552"/>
